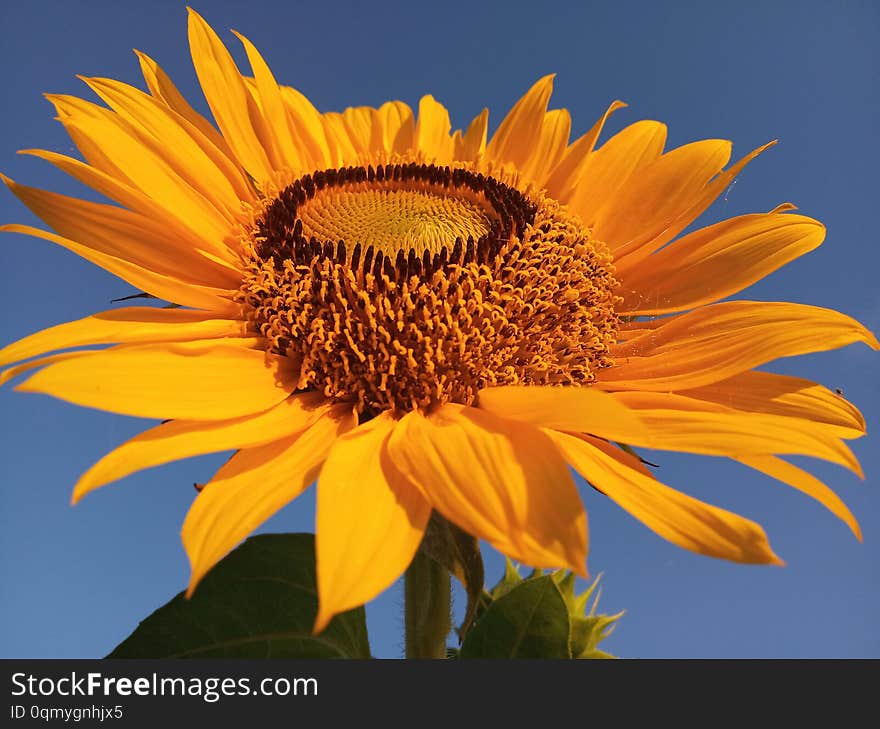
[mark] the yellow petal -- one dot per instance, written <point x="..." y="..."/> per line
<point x="678" y="518"/>
<point x="369" y="522"/>
<point x="253" y="485"/>
<point x="362" y="125"/>
<point x="567" y="173"/>
<point x="432" y="131"/>
<point x="580" y="409"/>
<point x="630" y="330"/>
<point x="130" y="324"/>
<point x="637" y="249"/>
<point x="718" y="341"/>
<point x="186" y="380"/>
<point x="147" y="171"/>
<point x="169" y="136"/>
<point x="677" y="423"/>
<point x="398" y="128"/>
<point x="71" y="107"/>
<point x="163" y="287"/>
<point x="342" y="148"/>
<point x="765" y="392"/>
<point x="473" y="142"/>
<point x="518" y="134"/>
<point x="123" y="152"/>
<point x="231" y="103"/>
<point x="497" y="479"/>
<point x="660" y="192"/>
<point x="607" y="169"/>
<point x="273" y="107"/>
<point x="11" y="372"/>
<point x="309" y="128"/>
<point x="163" y="89"/>
<point x="178" y="439"/>
<point x="123" y="193"/>
<point x="718" y="261"/>
<point x="550" y="145"/>
<point x="123" y="234"/>
<point x="805" y="483"/>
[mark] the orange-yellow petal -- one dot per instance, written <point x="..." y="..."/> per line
<point x="129" y="325"/>
<point x="178" y="439"/>
<point x="718" y="261"/>
<point x="231" y="104"/>
<point x="342" y="149"/>
<point x="162" y="88"/>
<point x="647" y="202"/>
<point x="370" y="520"/>
<point x="500" y="480"/>
<point x="581" y="409"/>
<point x="7" y="374"/>
<point x="678" y="518"/>
<point x="252" y="486"/>
<point x="159" y="285"/>
<point x="609" y="167"/>
<point x="145" y="168"/>
<point x="718" y="341"/>
<point x="169" y="136"/>
<point x="765" y="392"/>
<point x="126" y="195"/>
<point x="517" y="136"/>
<point x="273" y="108"/>
<point x="184" y="380"/>
<point x="362" y="125"/>
<point x="398" y="127"/>
<point x="637" y="249"/>
<point x="805" y="483"/>
<point x="549" y="146"/>
<point x="308" y="126"/>
<point x="70" y="107"/>
<point x="124" y="234"/>
<point x="566" y="175"/>
<point x="677" y="423"/>
<point x="473" y="141"/>
<point x="432" y="136"/>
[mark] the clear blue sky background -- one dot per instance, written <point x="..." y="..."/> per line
<point x="77" y="580"/>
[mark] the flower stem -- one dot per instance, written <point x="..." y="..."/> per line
<point x="427" y="608"/>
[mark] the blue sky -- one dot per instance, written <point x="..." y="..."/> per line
<point x="77" y="580"/>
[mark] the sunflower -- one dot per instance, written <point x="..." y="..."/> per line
<point x="425" y="321"/>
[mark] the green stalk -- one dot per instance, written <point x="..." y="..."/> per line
<point x="427" y="606"/>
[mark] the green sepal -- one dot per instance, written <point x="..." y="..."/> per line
<point x="258" y="602"/>
<point x="587" y="628"/>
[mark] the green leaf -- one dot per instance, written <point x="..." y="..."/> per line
<point x="259" y="602"/>
<point x="530" y="620"/>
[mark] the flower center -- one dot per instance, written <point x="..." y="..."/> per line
<point x="403" y="286"/>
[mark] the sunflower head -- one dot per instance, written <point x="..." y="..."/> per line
<point x="425" y="320"/>
<point x="407" y="286"/>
